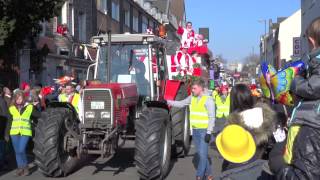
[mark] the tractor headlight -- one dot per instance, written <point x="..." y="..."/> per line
<point x="89" y="114"/>
<point x="105" y="115"/>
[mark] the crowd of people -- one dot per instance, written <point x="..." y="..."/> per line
<point x="258" y="138"/>
<point x="19" y="111"/>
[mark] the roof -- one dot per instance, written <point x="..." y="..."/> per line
<point x="127" y="38"/>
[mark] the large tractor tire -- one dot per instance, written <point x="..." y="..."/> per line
<point x="50" y="156"/>
<point x="181" y="125"/>
<point x="153" y="143"/>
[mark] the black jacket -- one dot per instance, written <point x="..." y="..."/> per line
<point x="309" y="88"/>
<point x="305" y="164"/>
<point x="249" y="171"/>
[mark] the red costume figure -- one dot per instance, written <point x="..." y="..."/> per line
<point x="184" y="62"/>
<point x="187" y="35"/>
<point x="199" y="45"/>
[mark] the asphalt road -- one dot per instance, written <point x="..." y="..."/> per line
<point x="121" y="167"/>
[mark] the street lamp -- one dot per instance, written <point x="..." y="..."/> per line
<point x="265" y="37"/>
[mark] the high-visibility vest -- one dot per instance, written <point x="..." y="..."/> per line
<point x="222" y="108"/>
<point x="74" y="102"/>
<point x="199" y="118"/>
<point x="214" y="94"/>
<point x="21" y="123"/>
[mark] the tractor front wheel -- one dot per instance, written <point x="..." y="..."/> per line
<point x="50" y="156"/>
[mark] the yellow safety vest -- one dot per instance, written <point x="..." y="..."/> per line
<point x="292" y="134"/>
<point x="199" y="118"/>
<point x="214" y="94"/>
<point x="75" y="100"/>
<point x="222" y="108"/>
<point x="21" y="123"/>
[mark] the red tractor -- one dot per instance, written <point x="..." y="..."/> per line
<point x="128" y="82"/>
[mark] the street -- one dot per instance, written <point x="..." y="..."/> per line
<point x="122" y="167"/>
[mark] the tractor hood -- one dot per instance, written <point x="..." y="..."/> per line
<point x="125" y="91"/>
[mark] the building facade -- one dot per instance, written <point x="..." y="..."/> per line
<point x="289" y="37"/>
<point x="282" y="40"/>
<point x="269" y="44"/>
<point x="59" y="51"/>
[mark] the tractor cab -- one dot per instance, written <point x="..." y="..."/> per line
<point x="134" y="59"/>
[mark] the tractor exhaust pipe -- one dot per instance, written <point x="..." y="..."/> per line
<point x="109" y="56"/>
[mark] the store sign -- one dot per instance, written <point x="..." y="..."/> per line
<point x="296" y="47"/>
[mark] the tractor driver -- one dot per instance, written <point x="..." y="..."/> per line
<point x="142" y="83"/>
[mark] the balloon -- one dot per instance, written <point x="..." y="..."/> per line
<point x="297" y="65"/>
<point x="46" y="90"/>
<point x="281" y="85"/>
<point x="264" y="87"/>
<point x="276" y="85"/>
<point x="267" y="71"/>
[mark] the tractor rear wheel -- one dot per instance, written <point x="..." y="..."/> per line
<point x="153" y="143"/>
<point x="50" y="156"/>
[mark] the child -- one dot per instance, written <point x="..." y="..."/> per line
<point x="237" y="146"/>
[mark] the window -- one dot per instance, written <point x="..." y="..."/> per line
<point x="102" y="6"/>
<point x="115" y="11"/>
<point x="144" y="24"/>
<point x="127" y="18"/>
<point x="135" y="23"/>
<point x="82" y="27"/>
<point x="151" y="25"/>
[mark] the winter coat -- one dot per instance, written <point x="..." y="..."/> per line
<point x="305" y="162"/>
<point x="253" y="170"/>
<point x="4" y="114"/>
<point x="309" y="88"/>
<point x="259" y="121"/>
<point x="302" y="148"/>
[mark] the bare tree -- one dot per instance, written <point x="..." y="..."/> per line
<point x="250" y="64"/>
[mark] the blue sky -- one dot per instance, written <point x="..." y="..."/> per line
<point x="234" y="26"/>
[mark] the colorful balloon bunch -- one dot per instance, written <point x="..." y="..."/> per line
<point x="276" y="84"/>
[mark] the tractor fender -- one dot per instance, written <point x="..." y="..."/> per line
<point x="157" y="104"/>
<point x="57" y="104"/>
<point x="171" y="89"/>
<point x="75" y="116"/>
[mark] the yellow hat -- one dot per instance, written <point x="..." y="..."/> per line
<point x="235" y="144"/>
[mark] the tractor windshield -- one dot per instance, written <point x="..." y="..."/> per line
<point x="129" y="64"/>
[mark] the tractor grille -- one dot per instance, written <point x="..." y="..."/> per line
<point x="98" y="108"/>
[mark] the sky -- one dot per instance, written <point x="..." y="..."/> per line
<point x="234" y="24"/>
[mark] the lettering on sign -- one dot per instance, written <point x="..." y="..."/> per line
<point x="296" y="47"/>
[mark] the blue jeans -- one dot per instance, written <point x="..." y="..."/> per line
<point x="2" y="152"/>
<point x="204" y="166"/>
<point x="20" y="144"/>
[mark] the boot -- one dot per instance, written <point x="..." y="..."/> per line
<point x="19" y="172"/>
<point x="26" y="171"/>
<point x="210" y="178"/>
